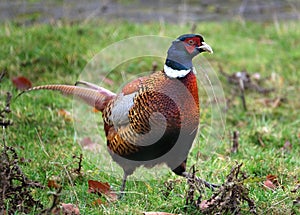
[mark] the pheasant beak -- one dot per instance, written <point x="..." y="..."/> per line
<point x="205" y="48"/>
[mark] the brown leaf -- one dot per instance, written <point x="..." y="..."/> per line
<point x="88" y="144"/>
<point x="69" y="209"/>
<point x="272" y="178"/>
<point x="21" y="83"/>
<point x="271" y="182"/>
<point x="102" y="188"/>
<point x="157" y="213"/>
<point x="98" y="187"/>
<point x="53" y="184"/>
<point x="65" y="114"/>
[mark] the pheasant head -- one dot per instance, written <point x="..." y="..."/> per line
<point x="180" y="54"/>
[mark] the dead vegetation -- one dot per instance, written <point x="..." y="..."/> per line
<point x="242" y="81"/>
<point x="228" y="198"/>
<point x="15" y="187"/>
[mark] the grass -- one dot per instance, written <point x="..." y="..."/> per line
<point x="58" y="53"/>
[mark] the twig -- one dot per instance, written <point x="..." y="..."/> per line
<point x="242" y="89"/>
<point x="223" y="72"/>
<point x="78" y="170"/>
<point x="6" y="110"/>
<point x="15" y="187"/>
<point x="230" y="196"/>
<point x="201" y="181"/>
<point x="235" y="142"/>
<point x="243" y="81"/>
<point x="16" y="195"/>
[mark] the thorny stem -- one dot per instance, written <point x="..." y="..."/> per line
<point x="235" y="142"/>
<point x="242" y="89"/>
<point x="78" y="170"/>
<point x="6" y="110"/>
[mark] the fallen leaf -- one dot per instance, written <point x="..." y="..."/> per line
<point x="53" y="184"/>
<point x="101" y="188"/>
<point x="98" y="187"/>
<point x="272" y="178"/>
<point x="65" y="114"/>
<point x="21" y="83"/>
<point x="271" y="182"/>
<point x="88" y="144"/>
<point x="69" y="209"/>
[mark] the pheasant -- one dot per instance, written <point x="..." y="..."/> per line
<point x="154" y="119"/>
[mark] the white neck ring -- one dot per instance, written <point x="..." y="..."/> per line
<point x="173" y="73"/>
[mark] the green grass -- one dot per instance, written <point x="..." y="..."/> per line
<point x="58" y="53"/>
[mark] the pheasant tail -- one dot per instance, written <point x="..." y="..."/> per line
<point x="97" y="97"/>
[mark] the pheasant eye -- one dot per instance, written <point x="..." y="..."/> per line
<point x="191" y="42"/>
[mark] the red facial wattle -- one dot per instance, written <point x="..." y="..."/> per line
<point x="190" y="48"/>
<point x="191" y="43"/>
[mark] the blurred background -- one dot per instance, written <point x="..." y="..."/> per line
<point x="175" y="11"/>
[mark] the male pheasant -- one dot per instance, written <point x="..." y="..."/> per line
<point x="154" y="119"/>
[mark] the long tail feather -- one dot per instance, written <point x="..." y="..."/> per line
<point x="95" y="98"/>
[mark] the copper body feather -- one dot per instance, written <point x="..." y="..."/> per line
<point x="154" y="94"/>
